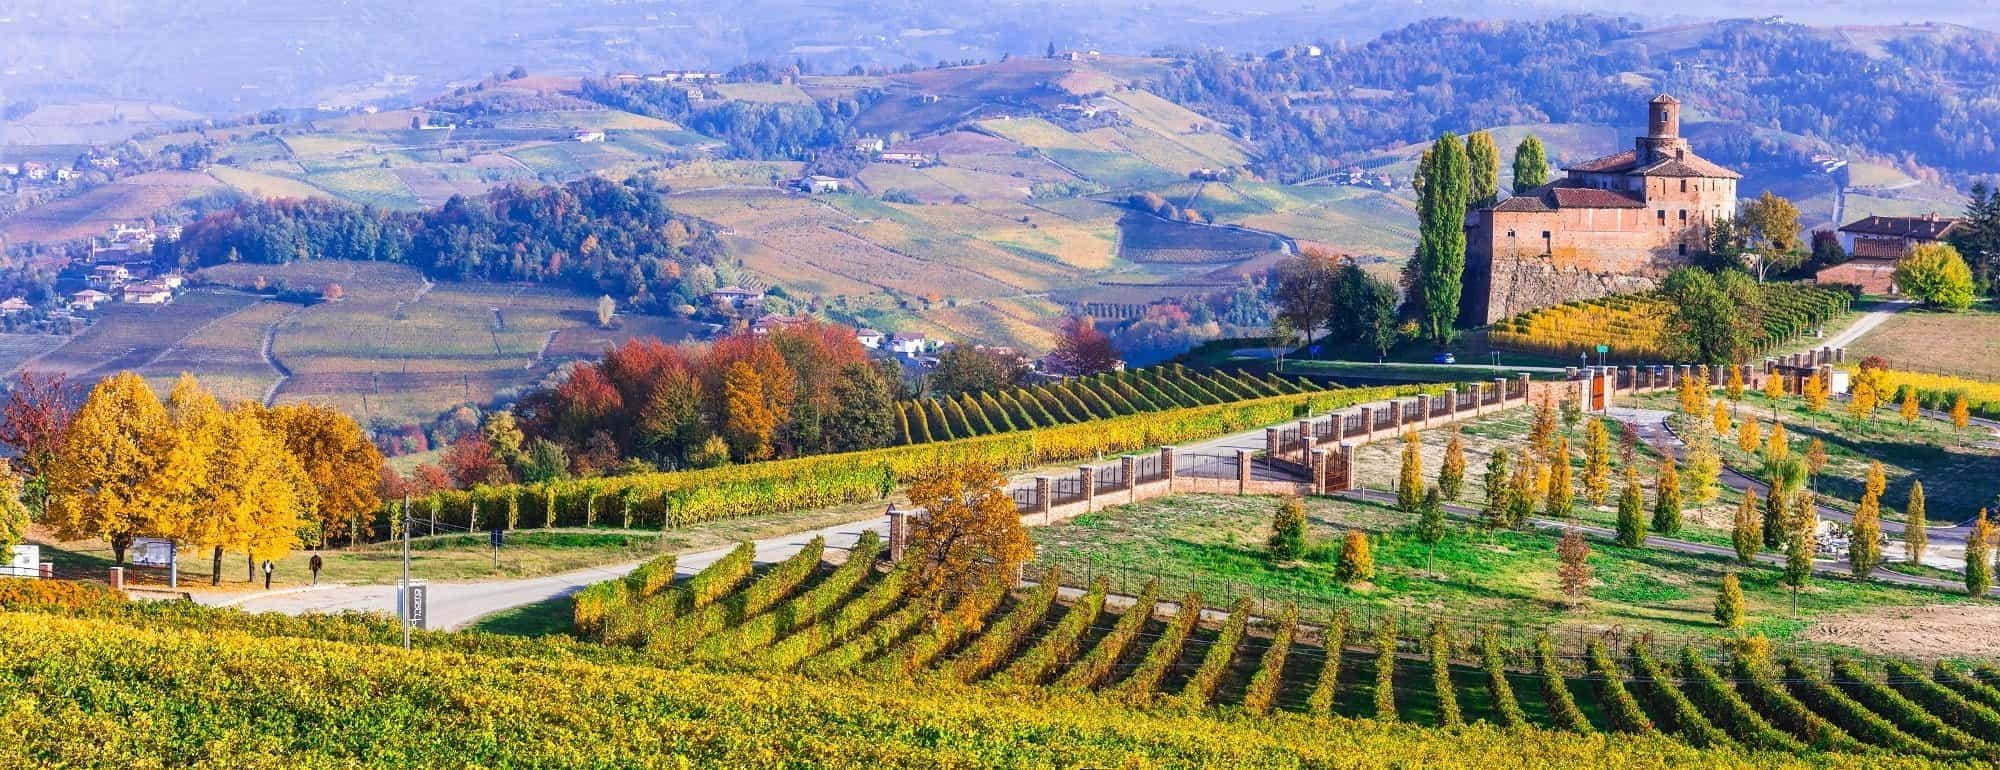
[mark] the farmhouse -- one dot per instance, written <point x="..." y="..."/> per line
<point x="88" y="299"/>
<point x="869" y="338"/>
<point x="1876" y="243"/>
<point x="586" y="136"/>
<point x="1611" y="225"/>
<point x="868" y="145"/>
<point x="148" y="293"/>
<point x="912" y="159"/>
<point x="108" y="277"/>
<point x="773" y="322"/>
<point x="908" y="343"/>
<point x="734" y="297"/>
<point x="14" y="305"/>
<point x="816" y="184"/>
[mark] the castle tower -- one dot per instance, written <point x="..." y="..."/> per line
<point x="1663" y="131"/>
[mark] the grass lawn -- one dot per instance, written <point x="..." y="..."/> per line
<point x="1504" y="580"/>
<point x="1963" y="344"/>
<point x="1957" y="475"/>
<point x="548" y="617"/>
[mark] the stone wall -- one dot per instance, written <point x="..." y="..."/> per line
<point x="1513" y="284"/>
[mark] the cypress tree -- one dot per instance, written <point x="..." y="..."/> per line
<point x="1801" y="540"/>
<point x="1562" y="496"/>
<point x="1531" y="165"/>
<point x="1915" y="538"/>
<point x="1497" y="490"/>
<point x="1430" y="524"/>
<point x="1451" y="476"/>
<point x="1631" y="513"/>
<point x="1410" y="484"/>
<point x="1978" y="563"/>
<point x="1597" y="462"/>
<point x="1667" y="499"/>
<point x="1482" y="160"/>
<point x="1747" y="534"/>
<point x="1729" y="603"/>
<point x="1442" y="197"/>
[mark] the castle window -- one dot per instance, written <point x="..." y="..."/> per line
<point x="1684" y="188"/>
<point x="1548" y="243"/>
<point x="1684" y="249"/>
<point x="1684" y="216"/>
<point x="1663" y="217"/>
<point x="1510" y="235"/>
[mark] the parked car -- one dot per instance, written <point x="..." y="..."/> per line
<point x="1444" y="358"/>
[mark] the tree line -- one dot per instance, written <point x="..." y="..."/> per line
<point x="119" y="464"/>
<point x="593" y="234"/>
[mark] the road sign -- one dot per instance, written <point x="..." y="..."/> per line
<point x="417" y="599"/>
<point x="495" y="536"/>
<point x="1604" y="348"/>
<point x="24" y="562"/>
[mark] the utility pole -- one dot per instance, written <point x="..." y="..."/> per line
<point x="403" y="601"/>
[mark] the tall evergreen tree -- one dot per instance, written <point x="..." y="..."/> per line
<point x="1978" y="561"/>
<point x="1442" y="196"/>
<point x="1729" y="603"/>
<point x="1667" y="499"/>
<point x="1631" y="513"/>
<point x="1410" y="485"/>
<point x="1747" y="531"/>
<point x="1451" y="475"/>
<point x="1864" y="543"/>
<point x="1483" y="165"/>
<point x="1562" y="495"/>
<point x="1531" y="165"/>
<point x="1497" y="489"/>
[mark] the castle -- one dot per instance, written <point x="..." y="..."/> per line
<point x="1610" y="225"/>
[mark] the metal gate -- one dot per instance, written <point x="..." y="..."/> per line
<point x="1335" y="478"/>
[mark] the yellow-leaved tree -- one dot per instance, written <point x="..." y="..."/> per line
<point x="100" y="484"/>
<point x="13" y="513"/>
<point x="259" y="497"/>
<point x="969" y="535"/>
<point x="340" y="462"/>
<point x="181" y="486"/>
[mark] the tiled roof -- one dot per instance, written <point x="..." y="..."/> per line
<point x="1689" y="165"/>
<point x="1922" y="228"/>
<point x="1592" y="198"/>
<point x="1529" y="202"/>
<point x="1607" y="164"/>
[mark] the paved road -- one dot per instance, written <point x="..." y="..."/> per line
<point x="457" y="604"/>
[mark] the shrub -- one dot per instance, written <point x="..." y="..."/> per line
<point x="1326" y="686"/>
<point x="1288" y="530"/>
<point x="28" y="594"/>
<point x="1356" y="564"/>
<point x="1555" y="691"/>
<point x="1619" y="705"/>
<point x="1506" y="709"/>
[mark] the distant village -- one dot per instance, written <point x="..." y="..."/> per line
<point x="119" y="268"/>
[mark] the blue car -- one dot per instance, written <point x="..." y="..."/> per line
<point x="1444" y="358"/>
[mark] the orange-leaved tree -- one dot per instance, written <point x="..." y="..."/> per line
<point x="747" y="420"/>
<point x="338" y="459"/>
<point x="969" y="534"/>
<point x="259" y="497"/>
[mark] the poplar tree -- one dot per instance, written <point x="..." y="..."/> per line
<point x="1802" y="539"/>
<point x="1735" y="386"/>
<point x="1451" y="475"/>
<point x="1531" y="165"/>
<point x="1631" y="512"/>
<point x="1915" y="538"/>
<point x="1410" y="484"/>
<point x="1961" y="413"/>
<point x="1747" y="438"/>
<point x="1430" y="524"/>
<point x="1356" y="564"/>
<point x="1667" y="499"/>
<point x="1483" y="167"/>
<point x="1442" y="197"/>
<point x="1288" y="530"/>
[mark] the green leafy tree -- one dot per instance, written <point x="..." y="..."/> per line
<point x="1531" y="165"/>
<point x="1288" y="530"/>
<point x="1561" y="501"/>
<point x="1442" y="196"/>
<point x="1729" y="603"/>
<point x="1483" y="166"/>
<point x="864" y="409"/>
<point x="1978" y="557"/>
<point x="1707" y="321"/>
<point x="1936" y="275"/>
<point x="1497" y="490"/>
<point x="1430" y="523"/>
<point x="1631" y="513"/>
<point x="1770" y="227"/>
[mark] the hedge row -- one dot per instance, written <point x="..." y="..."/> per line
<point x="679" y="498"/>
<point x="843" y="622"/>
<point x="1200" y="687"/>
<point x="1619" y="705"/>
<point x="1726" y="709"/>
<point x="1555" y="691"/>
<point x="1856" y="719"/>
<point x="1679" y="714"/>
<point x="776" y="584"/>
<point x="1761" y="691"/>
<point x="1263" y="686"/>
<point x="1326" y="688"/>
<point x="1898" y="709"/>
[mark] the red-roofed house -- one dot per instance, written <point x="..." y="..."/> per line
<point x="1876" y="243"/>
<point x="1611" y="224"/>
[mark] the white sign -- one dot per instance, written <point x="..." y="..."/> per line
<point x="152" y="552"/>
<point x="26" y="562"/>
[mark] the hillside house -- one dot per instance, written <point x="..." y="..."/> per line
<point x="905" y="157"/>
<point x="586" y="136"/>
<point x="869" y="145"/>
<point x="147" y="293"/>
<point x="14" y="306"/>
<point x="816" y="184"/>
<point x="770" y="323"/>
<point x="109" y="277"/>
<point x="171" y="280"/>
<point x="908" y="343"/>
<point x="735" y="297"/>
<point x="1874" y="245"/>
<point x="694" y="94"/>
<point x="35" y="171"/>
<point x="88" y="300"/>
<point x="869" y="338"/>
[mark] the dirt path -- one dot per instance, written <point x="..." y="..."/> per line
<point x="1866" y="324"/>
<point x="270" y="354"/>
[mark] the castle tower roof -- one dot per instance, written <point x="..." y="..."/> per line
<point x="1665" y="99"/>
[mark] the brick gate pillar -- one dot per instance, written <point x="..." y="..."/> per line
<point x="1242" y="471"/>
<point x="1318" y="470"/>
<point x="1088" y="475"/>
<point x="899" y="532"/>
<point x="1128" y="466"/>
<point x="1423" y="410"/>
<point x="1044" y="488"/>
<point x="1167" y="466"/>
